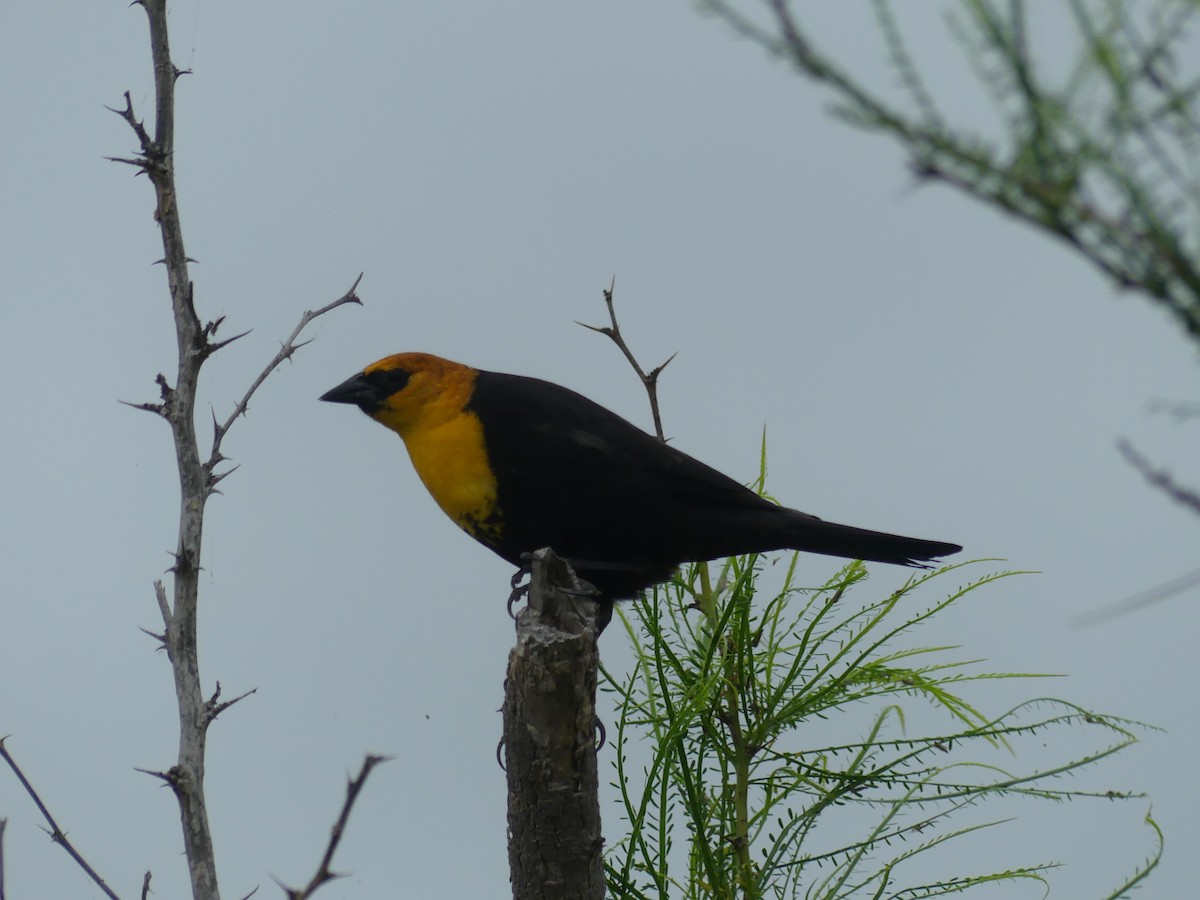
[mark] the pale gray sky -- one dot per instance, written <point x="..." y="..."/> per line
<point x="922" y="365"/>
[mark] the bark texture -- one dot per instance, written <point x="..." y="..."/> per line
<point x="554" y="841"/>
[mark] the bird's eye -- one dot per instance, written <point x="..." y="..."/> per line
<point x="390" y="381"/>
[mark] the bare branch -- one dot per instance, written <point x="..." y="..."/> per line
<point x="649" y="379"/>
<point x="1160" y="478"/>
<point x="145" y="886"/>
<point x="195" y="342"/>
<point x="1149" y="597"/>
<point x="57" y="835"/>
<point x="288" y="348"/>
<point x="138" y="129"/>
<point x="323" y="874"/>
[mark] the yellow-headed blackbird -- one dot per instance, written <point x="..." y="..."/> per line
<point x="521" y="464"/>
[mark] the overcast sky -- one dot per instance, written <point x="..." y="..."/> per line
<point x="922" y="365"/>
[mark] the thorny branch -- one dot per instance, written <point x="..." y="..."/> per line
<point x="286" y="351"/>
<point x="195" y="343"/>
<point x="649" y="379"/>
<point x="57" y="835"/>
<point x="324" y="874"/>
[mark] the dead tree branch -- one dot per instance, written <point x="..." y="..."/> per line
<point x="57" y="835"/>
<point x="196" y="342"/>
<point x="649" y="379"/>
<point x="324" y="874"/>
<point x="555" y="843"/>
<point x="286" y="351"/>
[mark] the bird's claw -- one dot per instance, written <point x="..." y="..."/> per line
<point x="601" y="733"/>
<point x="519" y="590"/>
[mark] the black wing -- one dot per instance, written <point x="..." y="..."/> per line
<point x="576" y="477"/>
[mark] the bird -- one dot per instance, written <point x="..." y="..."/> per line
<point x="519" y="464"/>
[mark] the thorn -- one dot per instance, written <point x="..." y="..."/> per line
<point x="140" y="163"/>
<point x="56" y="837"/>
<point x="654" y="372"/>
<point x="210" y="349"/>
<point x="215" y="478"/>
<point x="169" y="777"/>
<point x="599" y="329"/>
<point x="161" y="638"/>
<point x="156" y="408"/>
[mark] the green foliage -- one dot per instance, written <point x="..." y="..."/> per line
<point x="800" y="743"/>
<point x="1099" y="132"/>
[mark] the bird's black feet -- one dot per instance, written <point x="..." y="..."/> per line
<point x="519" y="590"/>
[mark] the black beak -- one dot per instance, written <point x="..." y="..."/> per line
<point x="357" y="391"/>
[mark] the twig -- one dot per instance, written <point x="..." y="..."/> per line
<point x="286" y="351"/>
<point x="1149" y="597"/>
<point x="324" y="874"/>
<point x="1160" y="478"/>
<point x="649" y="379"/>
<point x="138" y="129"/>
<point x="57" y="835"/>
<point x="145" y="886"/>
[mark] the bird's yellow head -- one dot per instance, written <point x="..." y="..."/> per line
<point x="408" y="392"/>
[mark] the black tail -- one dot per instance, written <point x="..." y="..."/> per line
<point x="816" y="536"/>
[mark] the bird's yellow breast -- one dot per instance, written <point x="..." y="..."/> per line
<point x="451" y="460"/>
